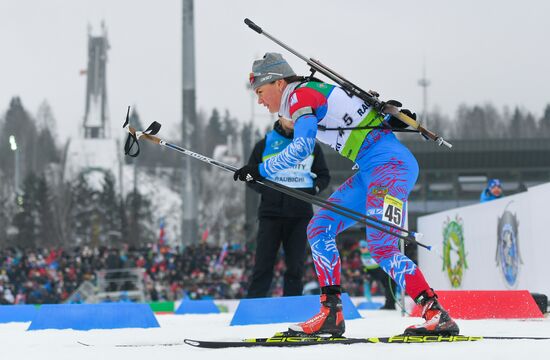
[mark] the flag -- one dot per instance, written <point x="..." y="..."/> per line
<point x="161" y="232"/>
<point x="222" y="255"/>
<point x="204" y="236"/>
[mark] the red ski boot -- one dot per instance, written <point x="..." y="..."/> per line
<point x="329" y="320"/>
<point x="438" y="321"/>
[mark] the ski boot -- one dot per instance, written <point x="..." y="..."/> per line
<point x="329" y="320"/>
<point x="438" y="321"/>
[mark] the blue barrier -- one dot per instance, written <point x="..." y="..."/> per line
<point x="369" y="305"/>
<point x="197" y="307"/>
<point x="17" y="313"/>
<point x="94" y="316"/>
<point x="285" y="309"/>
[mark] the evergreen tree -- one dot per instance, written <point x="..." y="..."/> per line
<point x="248" y="139"/>
<point x="26" y="220"/>
<point x="529" y="127"/>
<point x="544" y="123"/>
<point x="124" y="229"/>
<point x="222" y="201"/>
<point x="45" y="118"/>
<point x="81" y="214"/>
<point x="438" y="123"/>
<point x="46" y="224"/>
<point x="214" y="134"/>
<point x="47" y="150"/>
<point x="18" y="123"/>
<point x="139" y="216"/>
<point x="46" y="142"/>
<point x="63" y="208"/>
<point x="478" y="122"/>
<point x="230" y="126"/>
<point x="110" y="220"/>
<point x="7" y="210"/>
<point x="522" y="125"/>
<point x="47" y="133"/>
<point x="201" y="133"/>
<point x="135" y="119"/>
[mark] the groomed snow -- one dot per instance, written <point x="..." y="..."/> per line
<point x="17" y="343"/>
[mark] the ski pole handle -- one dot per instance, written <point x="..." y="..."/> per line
<point x="253" y="26"/>
<point x="140" y="134"/>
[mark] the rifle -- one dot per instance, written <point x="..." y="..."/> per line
<point x="370" y="98"/>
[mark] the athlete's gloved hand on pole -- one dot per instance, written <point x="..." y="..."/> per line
<point x="249" y="173"/>
<point x="409" y="113"/>
<point x="395" y="122"/>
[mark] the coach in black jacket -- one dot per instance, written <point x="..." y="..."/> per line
<point x="284" y="219"/>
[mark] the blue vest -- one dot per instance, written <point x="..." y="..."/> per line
<point x="299" y="176"/>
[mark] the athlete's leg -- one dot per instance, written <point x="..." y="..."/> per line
<point x="389" y="186"/>
<point x="326" y="224"/>
<point x="321" y="232"/>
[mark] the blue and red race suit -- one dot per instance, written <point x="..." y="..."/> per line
<point x="386" y="176"/>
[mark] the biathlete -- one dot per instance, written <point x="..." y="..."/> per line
<point x="386" y="176"/>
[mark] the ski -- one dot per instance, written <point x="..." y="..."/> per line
<point x="178" y="343"/>
<point x="280" y="340"/>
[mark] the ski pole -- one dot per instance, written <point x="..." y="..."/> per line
<point x="148" y="134"/>
<point x="361" y="218"/>
<point x="354" y="215"/>
<point x="332" y="206"/>
<point x="380" y="106"/>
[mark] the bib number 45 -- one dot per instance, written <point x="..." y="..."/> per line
<point x="393" y="210"/>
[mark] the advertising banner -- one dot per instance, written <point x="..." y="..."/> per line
<point x="497" y="245"/>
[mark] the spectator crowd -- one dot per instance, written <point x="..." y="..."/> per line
<point x="47" y="276"/>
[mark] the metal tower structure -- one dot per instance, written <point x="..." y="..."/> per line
<point x="95" y="153"/>
<point x="96" y="116"/>
<point x="189" y="199"/>
<point x="424" y="83"/>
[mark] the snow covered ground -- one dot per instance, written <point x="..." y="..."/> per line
<point x="17" y="343"/>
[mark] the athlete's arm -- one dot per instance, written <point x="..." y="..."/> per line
<point x="305" y="130"/>
<point x="305" y="106"/>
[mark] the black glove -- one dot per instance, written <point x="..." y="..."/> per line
<point x="249" y="173"/>
<point x="394" y="103"/>
<point x="396" y="123"/>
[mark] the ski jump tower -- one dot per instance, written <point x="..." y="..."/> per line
<point x="95" y="152"/>
<point x="96" y="116"/>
